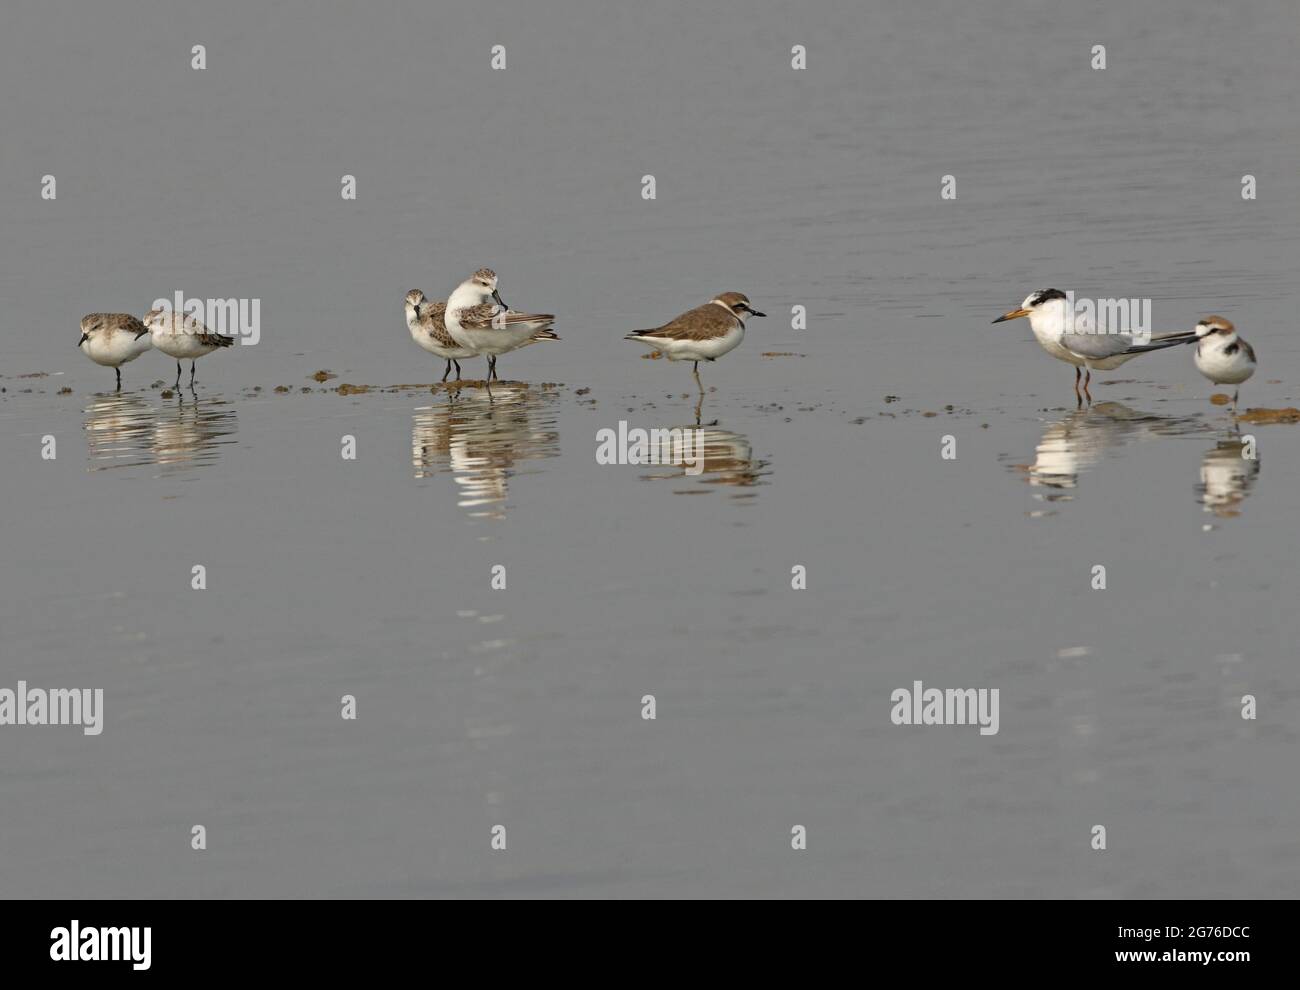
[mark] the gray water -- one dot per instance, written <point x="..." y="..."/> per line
<point x="522" y="707"/>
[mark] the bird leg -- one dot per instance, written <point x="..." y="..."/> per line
<point x="1086" y="381"/>
<point x="457" y="364"/>
<point x="191" y="374"/>
<point x="447" y="371"/>
<point x="119" y="378"/>
<point x="178" y="373"/>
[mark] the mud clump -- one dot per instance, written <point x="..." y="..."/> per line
<point x="322" y="376"/>
<point x="1287" y="415"/>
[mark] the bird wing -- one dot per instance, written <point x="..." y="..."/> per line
<point x="186" y="324"/>
<point x="701" y="323"/>
<point x="486" y="316"/>
<point x="433" y="318"/>
<point x="1103" y="345"/>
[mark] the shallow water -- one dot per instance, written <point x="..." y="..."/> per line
<point x="522" y="707"/>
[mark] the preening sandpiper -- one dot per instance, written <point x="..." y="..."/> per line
<point x="1068" y="337"/>
<point x="1222" y="356"/>
<point x="478" y="319"/>
<point x="113" y="339"/>
<point x="704" y="333"/>
<point x="427" y="323"/>
<point x="181" y="336"/>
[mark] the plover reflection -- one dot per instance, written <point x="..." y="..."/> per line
<point x="1228" y="472"/>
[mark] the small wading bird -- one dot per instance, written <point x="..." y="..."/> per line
<point x="479" y="320"/>
<point x="704" y="333"/>
<point x="425" y="319"/>
<point x="180" y="336"/>
<point x="113" y="339"/>
<point x="1069" y="338"/>
<point x="1222" y="356"/>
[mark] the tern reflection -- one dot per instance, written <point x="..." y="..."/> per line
<point x="484" y="439"/>
<point x="1072" y="445"/>
<point x="1228" y="472"/>
<point x="128" y="430"/>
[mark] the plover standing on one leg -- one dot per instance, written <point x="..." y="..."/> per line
<point x="1222" y="356"/>
<point x="704" y="333"/>
<point x="180" y="336"/>
<point x="426" y="321"/>
<point x="478" y="319"/>
<point x="1067" y="337"/>
<point x="113" y="339"/>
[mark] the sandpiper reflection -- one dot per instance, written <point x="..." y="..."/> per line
<point x="1228" y="472"/>
<point x="190" y="432"/>
<point x="128" y="430"/>
<point x="1072" y="445"/>
<point x="483" y="439"/>
<point x="119" y="429"/>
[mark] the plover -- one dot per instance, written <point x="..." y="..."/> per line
<point x="478" y="319"/>
<point x="1066" y="336"/>
<point x="113" y="339"/>
<point x="425" y="319"/>
<point x="704" y="333"/>
<point x="1222" y="356"/>
<point x="182" y="336"/>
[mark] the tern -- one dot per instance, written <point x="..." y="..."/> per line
<point x="1069" y="337"/>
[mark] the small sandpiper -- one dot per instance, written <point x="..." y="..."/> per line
<point x="479" y="320"/>
<point x="704" y="333"/>
<point x="426" y="321"/>
<point x="181" y="336"/>
<point x="1222" y="356"/>
<point x="113" y="339"/>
